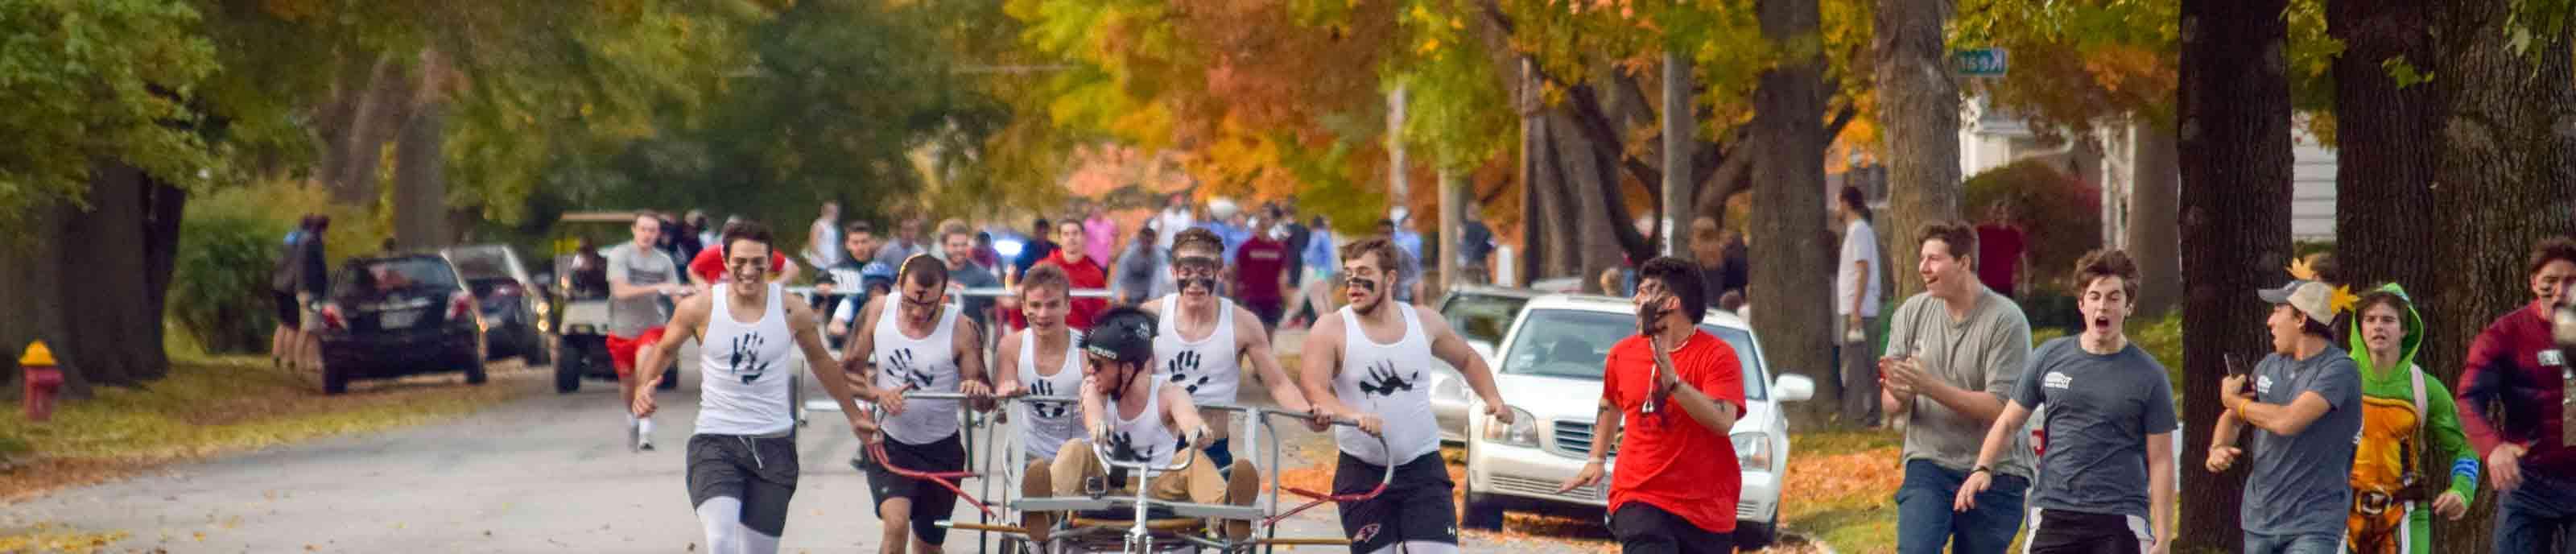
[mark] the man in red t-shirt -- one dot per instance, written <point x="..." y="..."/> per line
<point x="1260" y="274"/>
<point x="2530" y="444"/>
<point x="708" y="268"/>
<point x="1680" y="390"/>
<point x="1079" y="268"/>
<point x="1999" y="250"/>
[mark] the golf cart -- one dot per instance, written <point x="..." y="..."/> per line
<point x="578" y="287"/>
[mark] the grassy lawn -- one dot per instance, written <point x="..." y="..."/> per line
<point x="214" y="405"/>
<point x="1841" y="488"/>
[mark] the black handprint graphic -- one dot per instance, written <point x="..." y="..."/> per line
<point x="905" y="374"/>
<point x="1122" y="447"/>
<point x="1184" y="367"/>
<point x="1383" y="380"/>
<point x="1047" y="410"/>
<point x="745" y="360"/>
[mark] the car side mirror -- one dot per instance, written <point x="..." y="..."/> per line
<point x="1794" y="388"/>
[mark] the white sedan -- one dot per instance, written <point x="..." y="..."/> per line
<point x="1551" y="373"/>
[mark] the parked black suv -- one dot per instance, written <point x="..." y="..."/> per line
<point x="397" y="315"/>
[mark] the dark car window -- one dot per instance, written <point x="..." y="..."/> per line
<point x="1481" y="317"/>
<point x="1574" y="343"/>
<point x="366" y="278"/>
<point x="480" y="263"/>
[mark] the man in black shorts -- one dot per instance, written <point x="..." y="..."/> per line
<point x="916" y="340"/>
<point x="1367" y="364"/>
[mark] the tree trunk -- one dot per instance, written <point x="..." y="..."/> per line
<point x="1788" y="223"/>
<point x="2385" y="149"/>
<point x="2235" y="154"/>
<point x="1453" y="220"/>
<point x="1583" y="176"/>
<point x="2500" y="183"/>
<point x="1679" y="184"/>
<point x="420" y="186"/>
<point x="2154" y="226"/>
<point x="1919" y="105"/>
<point x="92" y="294"/>
<point x="371" y="124"/>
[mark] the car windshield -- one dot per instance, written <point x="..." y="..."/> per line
<point x="481" y="263"/>
<point x="1481" y="317"/>
<point x="377" y="277"/>
<point x="1573" y="344"/>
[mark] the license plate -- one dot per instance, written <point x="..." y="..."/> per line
<point x="398" y="320"/>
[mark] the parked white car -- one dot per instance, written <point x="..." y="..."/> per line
<point x="1551" y="374"/>
<point x="1481" y="314"/>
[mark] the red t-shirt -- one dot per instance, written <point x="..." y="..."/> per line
<point x="1256" y="268"/>
<point x="709" y="265"/>
<point x="2515" y="360"/>
<point x="1999" y="251"/>
<point x="1084" y="275"/>
<point x="1667" y="459"/>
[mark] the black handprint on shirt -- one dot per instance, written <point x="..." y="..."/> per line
<point x="1047" y="410"/>
<point x="1383" y="381"/>
<point x="745" y="360"/>
<point x="1183" y="366"/>
<point x="1122" y="447"/>
<point x="905" y="373"/>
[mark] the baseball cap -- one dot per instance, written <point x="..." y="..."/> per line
<point x="2312" y="298"/>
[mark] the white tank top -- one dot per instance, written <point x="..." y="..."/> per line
<point x="1144" y="436"/>
<point x="928" y="364"/>
<point x="1387" y="380"/>
<point x="1049" y="424"/>
<point x="1207" y="368"/>
<point x="744" y="370"/>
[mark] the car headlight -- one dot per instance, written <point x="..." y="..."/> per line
<point x="1753" y="451"/>
<point x="1522" y="431"/>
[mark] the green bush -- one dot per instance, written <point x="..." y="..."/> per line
<point x="219" y="287"/>
<point x="2060" y="216"/>
<point x="2162" y="339"/>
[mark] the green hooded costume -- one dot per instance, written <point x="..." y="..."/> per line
<point x="2397" y="420"/>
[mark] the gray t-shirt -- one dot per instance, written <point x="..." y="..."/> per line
<point x="2100" y="411"/>
<point x="1986" y="351"/>
<point x="642" y="267"/>
<point x="2297" y="478"/>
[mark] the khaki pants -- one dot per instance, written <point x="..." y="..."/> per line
<point x="1199" y="484"/>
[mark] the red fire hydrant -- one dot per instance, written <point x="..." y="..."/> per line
<point x="43" y="380"/>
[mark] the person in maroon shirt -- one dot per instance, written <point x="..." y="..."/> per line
<point x="2001" y="242"/>
<point x="1680" y="389"/>
<point x="1085" y="273"/>
<point x="2530" y="443"/>
<point x="1261" y="273"/>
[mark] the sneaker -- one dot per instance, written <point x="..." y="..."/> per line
<point x="645" y="445"/>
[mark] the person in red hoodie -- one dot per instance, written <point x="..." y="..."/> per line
<point x="2513" y="399"/>
<point x="1079" y="268"/>
<point x="1680" y="389"/>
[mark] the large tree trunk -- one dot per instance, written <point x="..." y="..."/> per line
<point x="1919" y="106"/>
<point x="1582" y="177"/>
<point x="2235" y="153"/>
<point x="1679" y="184"/>
<point x="379" y="112"/>
<point x="1788" y="221"/>
<point x="95" y="288"/>
<point x="2499" y="184"/>
<point x="420" y="187"/>
<point x="2385" y="149"/>
<point x="2154" y="226"/>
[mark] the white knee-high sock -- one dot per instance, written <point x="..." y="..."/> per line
<point x="722" y="518"/>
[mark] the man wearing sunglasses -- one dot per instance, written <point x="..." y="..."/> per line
<point x="914" y="340"/>
<point x="1203" y="340"/>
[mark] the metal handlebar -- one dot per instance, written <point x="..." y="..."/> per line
<point x="984" y="292"/>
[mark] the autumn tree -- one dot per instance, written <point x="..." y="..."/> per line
<point x="1918" y="108"/>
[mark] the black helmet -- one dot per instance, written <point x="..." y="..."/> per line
<point x="1122" y="334"/>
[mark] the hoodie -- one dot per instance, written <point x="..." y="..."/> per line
<point x="2392" y="425"/>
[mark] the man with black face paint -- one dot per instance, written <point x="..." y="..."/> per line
<point x="1203" y="341"/>
<point x="1368" y="365"/>
<point x="914" y="340"/>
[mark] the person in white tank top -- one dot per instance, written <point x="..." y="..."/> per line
<point x="742" y="460"/>
<point x="1204" y="341"/>
<point x="1140" y="417"/>
<point x="1368" y="365"/>
<point x="915" y="340"/>
<point x="1044" y="359"/>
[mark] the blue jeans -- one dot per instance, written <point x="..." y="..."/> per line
<point x="2539" y="516"/>
<point x="2257" y="543"/>
<point x="1925" y="523"/>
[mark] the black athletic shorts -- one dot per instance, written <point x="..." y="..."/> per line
<point x="930" y="502"/>
<point x="2069" y="532"/>
<point x="1646" y="529"/>
<point x="289" y="313"/>
<point x="1415" y="507"/>
<point x="759" y="471"/>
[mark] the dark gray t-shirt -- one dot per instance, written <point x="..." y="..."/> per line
<point x="2300" y="484"/>
<point x="2100" y="411"/>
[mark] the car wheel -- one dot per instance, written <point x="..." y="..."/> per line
<point x="334" y="381"/>
<point x="568" y="368"/>
<point x="1753" y="536"/>
<point x="474" y="362"/>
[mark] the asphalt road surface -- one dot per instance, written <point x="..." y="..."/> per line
<point x="546" y="473"/>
